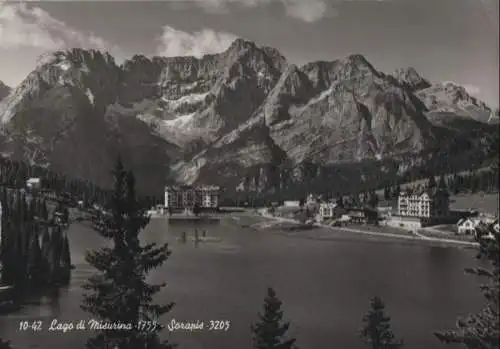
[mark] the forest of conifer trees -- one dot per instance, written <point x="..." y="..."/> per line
<point x="34" y="250"/>
<point x="14" y="174"/>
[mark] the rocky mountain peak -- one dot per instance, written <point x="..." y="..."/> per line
<point x="257" y="58"/>
<point x="410" y="79"/>
<point x="320" y="73"/>
<point x="457" y="94"/>
<point x="241" y="44"/>
<point x="447" y="101"/>
<point x="359" y="61"/>
<point x="355" y="67"/>
<point x="92" y="73"/>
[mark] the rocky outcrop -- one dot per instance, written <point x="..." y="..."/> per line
<point x="447" y="102"/>
<point x="4" y="90"/>
<point x="410" y="79"/>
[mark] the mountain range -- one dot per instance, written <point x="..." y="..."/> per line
<point x="245" y="119"/>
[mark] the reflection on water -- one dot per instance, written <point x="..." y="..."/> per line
<point x="222" y="272"/>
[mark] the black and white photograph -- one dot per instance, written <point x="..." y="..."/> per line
<point x="249" y="174"/>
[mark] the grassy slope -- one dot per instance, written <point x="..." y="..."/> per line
<point x="487" y="203"/>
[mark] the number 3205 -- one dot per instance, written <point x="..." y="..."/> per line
<point x="219" y="325"/>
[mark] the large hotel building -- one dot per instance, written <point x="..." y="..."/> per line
<point x="423" y="204"/>
<point x="186" y="197"/>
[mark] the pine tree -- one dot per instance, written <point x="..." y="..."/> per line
<point x="442" y="183"/>
<point x="431" y="183"/>
<point x="387" y="193"/>
<point x="65" y="215"/>
<point x="45" y="212"/>
<point x="396" y="191"/>
<point x="66" y="253"/>
<point x="377" y="330"/>
<point x="482" y="330"/>
<point x="65" y="261"/>
<point x="118" y="293"/>
<point x="373" y="199"/>
<point x="35" y="260"/>
<point x="270" y="331"/>
<point x="46" y="252"/>
<point x="56" y="244"/>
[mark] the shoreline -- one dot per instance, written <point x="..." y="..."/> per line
<point x="416" y="236"/>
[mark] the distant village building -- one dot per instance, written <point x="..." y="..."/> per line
<point x="289" y="212"/>
<point x="384" y="211"/>
<point x="186" y="197"/>
<point x="158" y="210"/>
<point x="467" y="226"/>
<point x="423" y="203"/>
<point x="413" y="223"/>
<point x="291" y="203"/>
<point x="357" y="216"/>
<point x="33" y="184"/>
<point x="327" y="210"/>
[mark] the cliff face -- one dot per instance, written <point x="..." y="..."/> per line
<point x="447" y="102"/>
<point x="243" y="118"/>
<point x="58" y="117"/>
<point x="4" y="90"/>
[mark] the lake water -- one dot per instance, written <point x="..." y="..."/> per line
<point x="325" y="280"/>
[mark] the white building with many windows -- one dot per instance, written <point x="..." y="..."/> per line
<point x="327" y="210"/>
<point x="182" y="197"/>
<point x="423" y="203"/>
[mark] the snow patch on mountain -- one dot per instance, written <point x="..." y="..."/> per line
<point x="90" y="96"/>
<point x="64" y="65"/>
<point x="188" y="172"/>
<point x="181" y="121"/>
<point x="193" y="98"/>
<point x="236" y="133"/>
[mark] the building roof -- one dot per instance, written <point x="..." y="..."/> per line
<point x="473" y="220"/>
<point x="406" y="218"/>
<point x="328" y="204"/>
<point x="462" y="221"/>
<point x="191" y="187"/>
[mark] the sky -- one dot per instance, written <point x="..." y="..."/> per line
<point x="444" y="40"/>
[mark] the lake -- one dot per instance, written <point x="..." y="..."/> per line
<point x="325" y="280"/>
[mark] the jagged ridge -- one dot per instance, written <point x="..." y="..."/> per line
<point x="222" y="116"/>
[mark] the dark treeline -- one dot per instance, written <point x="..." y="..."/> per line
<point x="14" y="174"/>
<point x="263" y="184"/>
<point x="34" y="250"/>
<point x="58" y="186"/>
<point x="478" y="181"/>
<point x="484" y="180"/>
